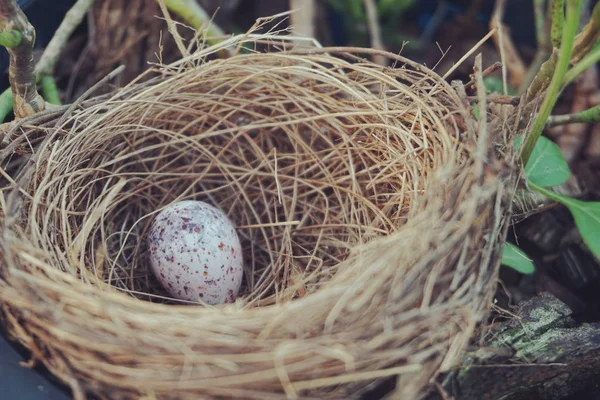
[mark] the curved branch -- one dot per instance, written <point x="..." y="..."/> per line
<point x="26" y="100"/>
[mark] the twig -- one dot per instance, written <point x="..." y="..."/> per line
<point x="584" y="53"/>
<point x="506" y="48"/>
<point x="302" y="19"/>
<point x="49" y="90"/>
<point x="589" y="116"/>
<point x="586" y="62"/>
<point x="572" y="137"/>
<point x="562" y="64"/>
<point x="588" y="36"/>
<point x="489" y="70"/>
<point x="72" y="19"/>
<point x="498" y="99"/>
<point x="87" y="94"/>
<point x="21" y="75"/>
<point x="195" y="15"/>
<point x="164" y="8"/>
<point x="483" y="132"/>
<point x="543" y="44"/>
<point x="374" y="30"/>
<point x="469" y="53"/>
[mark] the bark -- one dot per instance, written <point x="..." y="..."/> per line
<point x="543" y="354"/>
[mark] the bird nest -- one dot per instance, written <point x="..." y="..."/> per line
<point x="369" y="201"/>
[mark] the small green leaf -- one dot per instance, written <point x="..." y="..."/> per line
<point x="494" y="84"/>
<point x="515" y="258"/>
<point x="587" y="219"/>
<point x="547" y="166"/>
<point x="475" y="109"/>
<point x="397" y="6"/>
<point x="585" y="214"/>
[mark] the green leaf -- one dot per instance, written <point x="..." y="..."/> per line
<point x="515" y="258"/>
<point x="547" y="166"/>
<point x="393" y="6"/>
<point x="587" y="219"/>
<point x="494" y="84"/>
<point x="585" y="214"/>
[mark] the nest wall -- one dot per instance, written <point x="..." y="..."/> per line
<point x="369" y="204"/>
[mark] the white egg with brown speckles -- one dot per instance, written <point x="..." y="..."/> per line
<point x="195" y="253"/>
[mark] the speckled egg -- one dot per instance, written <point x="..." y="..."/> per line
<point x="195" y="253"/>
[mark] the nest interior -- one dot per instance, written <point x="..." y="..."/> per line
<point x="369" y="217"/>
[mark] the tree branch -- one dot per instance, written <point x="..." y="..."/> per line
<point x="589" y="116"/>
<point x="72" y="19"/>
<point x="26" y="100"/>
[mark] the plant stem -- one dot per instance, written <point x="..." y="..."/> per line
<point x="195" y="15"/>
<point x="21" y="74"/>
<point x="588" y="36"/>
<point x="45" y="67"/>
<point x="558" y="22"/>
<point x="50" y="90"/>
<point x="10" y="39"/>
<point x="546" y="192"/>
<point x="587" y="61"/>
<point x="589" y="116"/>
<point x="6" y="104"/>
<point x="562" y="64"/>
<point x="374" y="30"/>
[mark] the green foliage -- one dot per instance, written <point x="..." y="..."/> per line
<point x="557" y="70"/>
<point x="10" y="39"/>
<point x="355" y="19"/>
<point x="394" y="6"/>
<point x="546" y="166"/>
<point x="515" y="258"/>
<point x="493" y="84"/>
<point x="585" y="214"/>
<point x="587" y="219"/>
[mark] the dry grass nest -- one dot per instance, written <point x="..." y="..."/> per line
<point x="368" y="200"/>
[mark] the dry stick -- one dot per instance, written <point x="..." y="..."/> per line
<point x="173" y="28"/>
<point x="193" y="14"/>
<point x="489" y="70"/>
<point x="506" y="48"/>
<point x="45" y="67"/>
<point x="498" y="99"/>
<point x="469" y="53"/>
<point x="58" y="42"/>
<point x="302" y="18"/>
<point x="26" y="100"/>
<point x="374" y="30"/>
